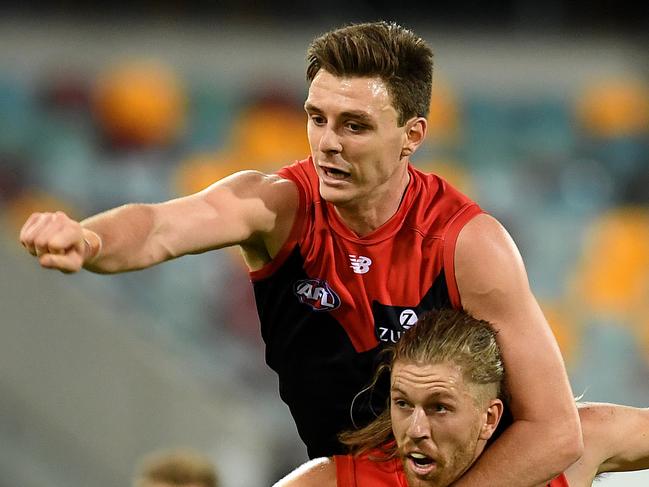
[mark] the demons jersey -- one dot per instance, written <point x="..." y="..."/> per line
<point x="330" y="301"/>
<point x="361" y="471"/>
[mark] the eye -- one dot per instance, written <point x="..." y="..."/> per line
<point x="318" y="119"/>
<point x="355" y="127"/>
<point x="400" y="403"/>
<point x="440" y="408"/>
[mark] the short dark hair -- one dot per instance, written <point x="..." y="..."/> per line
<point x="400" y="58"/>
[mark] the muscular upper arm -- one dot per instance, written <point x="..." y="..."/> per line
<point x="248" y="208"/>
<point x="320" y="472"/>
<point x="493" y="285"/>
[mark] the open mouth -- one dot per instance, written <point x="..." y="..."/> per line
<point x="335" y="173"/>
<point x="421" y="464"/>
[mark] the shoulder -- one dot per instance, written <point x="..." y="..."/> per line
<point x="251" y="181"/>
<point x="490" y="273"/>
<point x="251" y="188"/>
<point x="484" y="245"/>
<point x="484" y="229"/>
<point x="319" y="472"/>
<point x="301" y="172"/>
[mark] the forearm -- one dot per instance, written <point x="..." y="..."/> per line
<point x="124" y="240"/>
<point x="527" y="454"/>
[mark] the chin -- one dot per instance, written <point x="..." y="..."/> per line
<point x="432" y="479"/>
<point x="414" y="481"/>
<point x="334" y="196"/>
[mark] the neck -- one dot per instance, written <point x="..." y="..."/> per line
<point x="366" y="216"/>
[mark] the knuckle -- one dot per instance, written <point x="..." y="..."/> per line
<point x="34" y="217"/>
<point x="60" y="217"/>
<point x="41" y="242"/>
<point x="58" y="242"/>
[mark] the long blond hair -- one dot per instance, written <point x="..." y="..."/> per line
<point x="439" y="336"/>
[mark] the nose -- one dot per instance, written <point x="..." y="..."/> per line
<point x="330" y="141"/>
<point x="418" y="427"/>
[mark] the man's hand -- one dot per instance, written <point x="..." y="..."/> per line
<point x="58" y="241"/>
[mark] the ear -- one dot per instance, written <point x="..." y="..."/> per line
<point x="414" y="135"/>
<point x="492" y="417"/>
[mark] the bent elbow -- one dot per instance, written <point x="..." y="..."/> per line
<point x="577" y="450"/>
<point x="569" y="445"/>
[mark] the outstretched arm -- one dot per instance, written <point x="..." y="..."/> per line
<point x="616" y="439"/>
<point x="545" y="436"/>
<point x="248" y="208"/>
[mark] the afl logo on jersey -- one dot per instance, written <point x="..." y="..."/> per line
<point x="317" y="294"/>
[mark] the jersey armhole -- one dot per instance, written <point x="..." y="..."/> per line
<point x="345" y="476"/>
<point x="293" y="236"/>
<point x="451" y="233"/>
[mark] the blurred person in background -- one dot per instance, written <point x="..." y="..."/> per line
<point x="176" y="468"/>
<point x="346" y="248"/>
<point x="446" y="402"/>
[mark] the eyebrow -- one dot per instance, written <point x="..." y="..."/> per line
<point x="396" y="389"/>
<point x="432" y="395"/>
<point x="355" y="114"/>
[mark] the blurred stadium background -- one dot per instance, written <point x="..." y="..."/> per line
<point x="540" y="112"/>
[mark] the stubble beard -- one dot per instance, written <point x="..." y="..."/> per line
<point x="445" y="472"/>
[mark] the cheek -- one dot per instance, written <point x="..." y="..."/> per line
<point x="311" y="132"/>
<point x="459" y="437"/>
<point x="392" y="144"/>
<point x="399" y="425"/>
<point x="450" y="431"/>
<point x="388" y="153"/>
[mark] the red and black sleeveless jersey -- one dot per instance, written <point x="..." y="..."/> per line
<point x="361" y="471"/>
<point x="330" y="301"/>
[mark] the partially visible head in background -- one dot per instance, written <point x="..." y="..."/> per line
<point x="176" y="468"/>
<point x="386" y="50"/>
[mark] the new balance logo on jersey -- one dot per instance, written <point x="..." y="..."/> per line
<point x="360" y="264"/>
<point x="317" y="294"/>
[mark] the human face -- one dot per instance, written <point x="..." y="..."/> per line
<point x="356" y="143"/>
<point x="438" y="426"/>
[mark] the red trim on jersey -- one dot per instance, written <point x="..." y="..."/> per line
<point x="360" y="471"/>
<point x="450" y="239"/>
<point x="293" y="237"/>
<point x="560" y="481"/>
<point x="345" y="474"/>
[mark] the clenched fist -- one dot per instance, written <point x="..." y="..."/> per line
<point x="58" y="241"/>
